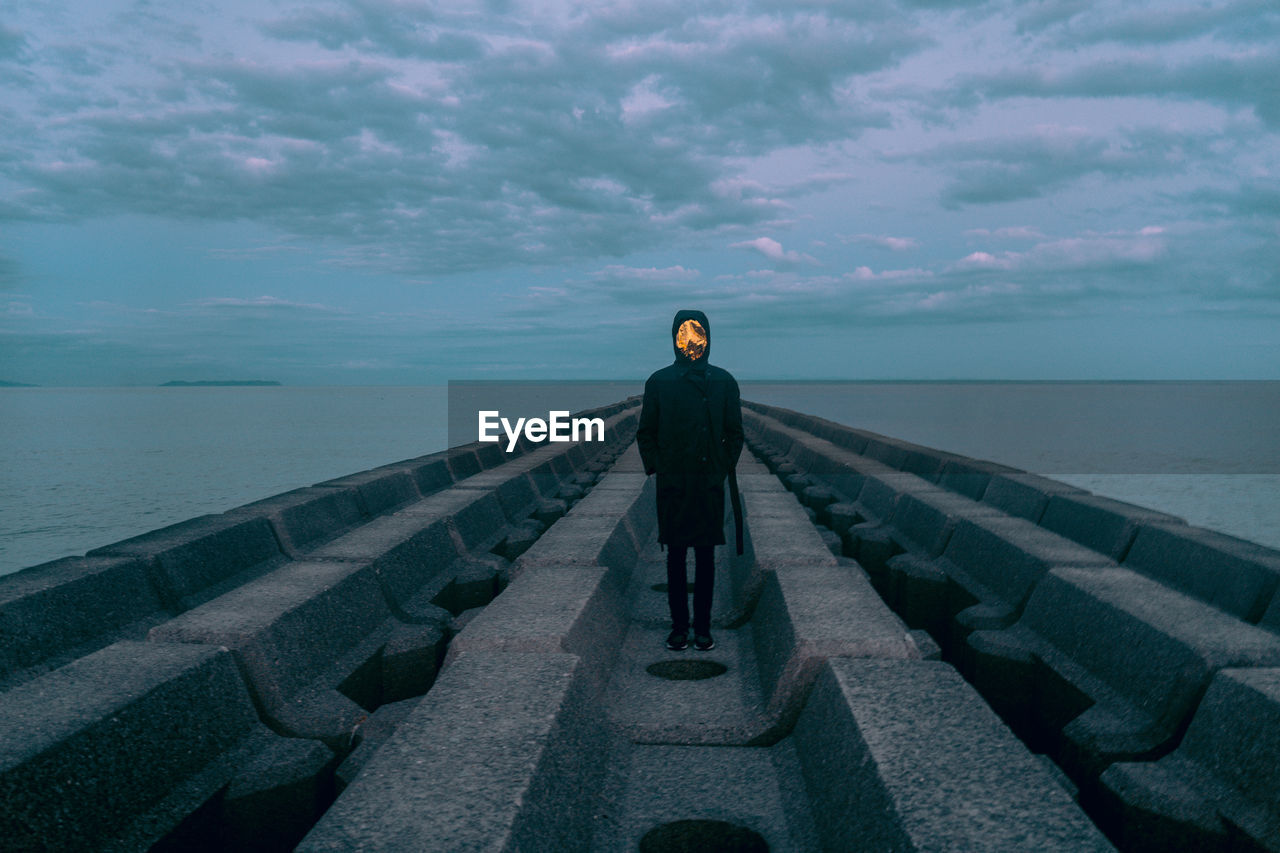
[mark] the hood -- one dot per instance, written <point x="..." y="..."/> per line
<point x="701" y="319"/>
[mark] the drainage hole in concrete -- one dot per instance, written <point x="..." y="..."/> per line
<point x="662" y="587"/>
<point x="702" y="836"/>
<point x="686" y="670"/>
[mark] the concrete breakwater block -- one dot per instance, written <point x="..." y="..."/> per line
<point x="891" y="451"/>
<point x="463" y="461"/>
<point x="1104" y="525"/>
<point x="994" y="564"/>
<point x="467" y="583"/>
<point x="618" y="500"/>
<point x="903" y="755"/>
<point x="430" y="473"/>
<point x="627" y="462"/>
<point x="308" y="638"/>
<point x="474" y="517"/>
<point x="519" y="539"/>
<point x="516" y="490"/>
<point x="925" y="462"/>
<point x="808" y="614"/>
<point x="879" y="494"/>
<point x="304" y="518"/>
<point x="806" y="606"/>
<point x="818" y="497"/>
<point x="1120" y="690"/>
<point x="784" y="540"/>
<point x="194" y="560"/>
<point x="920" y="592"/>
<point x="970" y="477"/>
<point x="566" y="594"/>
<point x="404" y="551"/>
<point x="503" y="754"/>
<point x="777" y="534"/>
<point x="545" y="468"/>
<point x="844" y="515"/>
<point x="552" y="609"/>
<point x="832" y="540"/>
<point x="1222" y="783"/>
<point x="923" y="519"/>
<point x="839" y="455"/>
<point x="794" y="453"/>
<point x="1025" y="495"/>
<point x="587" y="539"/>
<point x="768" y="488"/>
<point x="374" y="732"/>
<point x="1233" y="574"/>
<point x="550" y="511"/>
<point x="1271" y="619"/>
<point x="113" y="750"/>
<point x="625" y="480"/>
<point x="277" y="795"/>
<point x="491" y="455"/>
<point x="379" y="490"/>
<point x="54" y="612"/>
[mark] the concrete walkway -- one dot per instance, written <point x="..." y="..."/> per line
<point x="679" y="749"/>
<point x="548" y="728"/>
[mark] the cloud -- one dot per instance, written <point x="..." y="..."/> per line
<point x="622" y="159"/>
<point x="270" y="303"/>
<point x="1010" y="232"/>
<point x="1150" y="268"/>
<point x="10" y="273"/>
<point x="1241" y="20"/>
<point x="1240" y="80"/>
<point x="11" y="43"/>
<point x="424" y="140"/>
<point x="1253" y="200"/>
<point x="893" y="244"/>
<point x="617" y="272"/>
<point x="397" y="28"/>
<point x="1089" y="251"/>
<point x="1036" y="16"/>
<point x="1014" y="167"/>
<point x="773" y="250"/>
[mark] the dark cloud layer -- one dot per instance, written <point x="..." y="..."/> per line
<point x="531" y="169"/>
<point x="514" y="142"/>
<point x="1032" y="165"/>
<point x="1233" y="81"/>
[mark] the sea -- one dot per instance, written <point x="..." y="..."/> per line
<point x="85" y="467"/>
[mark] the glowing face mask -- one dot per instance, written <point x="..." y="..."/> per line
<point x="691" y="340"/>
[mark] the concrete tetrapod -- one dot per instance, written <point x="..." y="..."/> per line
<point x="903" y="755"/>
<point x="1220" y="786"/>
<point x="549" y="728"/>
<point x="1120" y="691"/>
<point x="115" y="750"/>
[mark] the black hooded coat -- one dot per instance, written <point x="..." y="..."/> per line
<point x="690" y="435"/>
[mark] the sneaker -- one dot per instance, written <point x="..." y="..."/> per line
<point x="678" y="641"/>
<point x="703" y="642"/>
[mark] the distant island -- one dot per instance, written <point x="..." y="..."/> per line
<point x="208" y="383"/>
<point x="4" y="384"/>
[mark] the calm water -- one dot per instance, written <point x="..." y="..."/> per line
<point x="88" y="466"/>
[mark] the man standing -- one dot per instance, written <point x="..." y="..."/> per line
<point x="690" y="435"/>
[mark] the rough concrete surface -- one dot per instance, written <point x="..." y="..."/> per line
<point x="460" y="701"/>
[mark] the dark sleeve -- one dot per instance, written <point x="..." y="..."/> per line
<point x="647" y="429"/>
<point x="733" y="424"/>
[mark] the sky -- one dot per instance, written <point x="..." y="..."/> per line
<point x="403" y="192"/>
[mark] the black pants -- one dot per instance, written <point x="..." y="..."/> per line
<point x="704" y="566"/>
